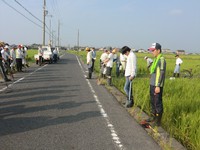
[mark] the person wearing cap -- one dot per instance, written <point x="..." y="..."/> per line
<point x="130" y="74"/>
<point x="157" y="72"/>
<point x="149" y="62"/>
<point x="7" y="58"/>
<point x="89" y="62"/>
<point x="177" y="66"/>
<point x="103" y="57"/>
<point x="109" y="65"/>
<point x="2" y="71"/>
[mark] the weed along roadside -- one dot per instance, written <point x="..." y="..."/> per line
<point x="162" y="137"/>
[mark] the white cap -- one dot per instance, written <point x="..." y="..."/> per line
<point x="6" y="46"/>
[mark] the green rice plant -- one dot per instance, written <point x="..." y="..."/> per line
<point x="31" y="53"/>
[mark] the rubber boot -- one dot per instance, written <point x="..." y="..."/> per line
<point x="109" y="81"/>
<point x="158" y="119"/>
<point x="174" y="75"/>
<point x="178" y="75"/>
<point x="90" y="75"/>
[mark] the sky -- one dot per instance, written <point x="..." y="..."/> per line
<point x="175" y="24"/>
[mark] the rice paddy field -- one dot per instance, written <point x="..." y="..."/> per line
<point x="181" y="97"/>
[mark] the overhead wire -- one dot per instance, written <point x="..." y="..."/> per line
<point x="21" y="14"/>
<point x="26" y="16"/>
<point x="31" y="14"/>
<point x="28" y="11"/>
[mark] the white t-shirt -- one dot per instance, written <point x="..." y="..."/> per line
<point x="89" y="59"/>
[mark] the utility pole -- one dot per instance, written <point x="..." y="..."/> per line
<point x="78" y="40"/>
<point x="58" y="33"/>
<point x="44" y="15"/>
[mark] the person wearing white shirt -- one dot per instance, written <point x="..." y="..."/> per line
<point x="89" y="62"/>
<point x="123" y="62"/>
<point x="19" y="56"/>
<point x="13" y="55"/>
<point x="109" y="65"/>
<point x="130" y="74"/>
<point x="103" y="57"/>
<point x="177" y="66"/>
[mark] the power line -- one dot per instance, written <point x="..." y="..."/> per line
<point x="21" y="14"/>
<point x="26" y="16"/>
<point x="31" y="14"/>
<point x="28" y="11"/>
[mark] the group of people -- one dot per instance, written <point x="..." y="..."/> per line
<point x="12" y="59"/>
<point x="128" y="63"/>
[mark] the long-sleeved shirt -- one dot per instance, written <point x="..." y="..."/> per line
<point x="131" y="65"/>
<point x="158" y="76"/>
<point x="19" y="53"/>
<point x="103" y="57"/>
<point x="178" y="61"/>
<point x="89" y="59"/>
<point x="110" y="61"/>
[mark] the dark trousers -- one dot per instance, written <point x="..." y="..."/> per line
<point x="93" y="60"/>
<point x="90" y="73"/>
<point x="19" y="64"/>
<point x="156" y="101"/>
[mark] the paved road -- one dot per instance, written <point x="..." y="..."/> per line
<point x="54" y="107"/>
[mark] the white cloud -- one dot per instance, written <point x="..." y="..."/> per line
<point x="176" y="12"/>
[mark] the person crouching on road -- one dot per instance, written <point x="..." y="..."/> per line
<point x="158" y="69"/>
<point x="89" y="62"/>
<point x="130" y="74"/>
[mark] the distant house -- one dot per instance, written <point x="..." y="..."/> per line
<point x="166" y="51"/>
<point x="180" y="52"/>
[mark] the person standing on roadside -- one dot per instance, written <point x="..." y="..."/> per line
<point x="158" y="70"/>
<point x="178" y="66"/>
<point x="13" y="55"/>
<point x="109" y="65"/>
<point x="89" y="62"/>
<point x="40" y="54"/>
<point x="103" y="57"/>
<point x="130" y="74"/>
<point x="123" y="62"/>
<point x="93" y="57"/>
<point x="19" y="56"/>
<point x="2" y="71"/>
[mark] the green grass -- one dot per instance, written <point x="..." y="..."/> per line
<point x="181" y="97"/>
<point x="31" y="53"/>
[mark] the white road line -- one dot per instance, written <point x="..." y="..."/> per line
<point x="114" y="135"/>
<point x="10" y="85"/>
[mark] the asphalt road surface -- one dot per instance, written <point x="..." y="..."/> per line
<point x="54" y="107"/>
